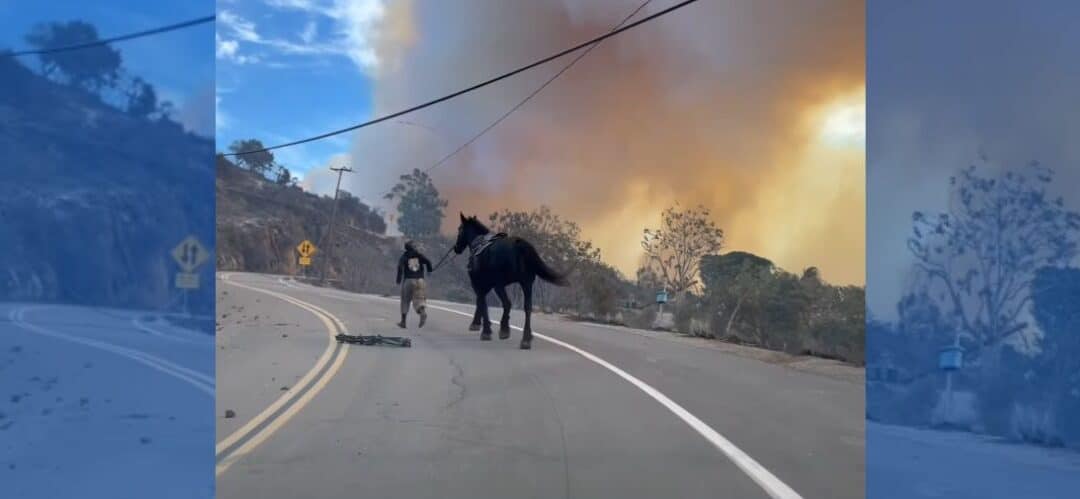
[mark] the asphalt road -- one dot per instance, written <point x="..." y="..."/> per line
<point x="103" y="403"/>
<point x="592" y="412"/>
<point x="919" y="463"/>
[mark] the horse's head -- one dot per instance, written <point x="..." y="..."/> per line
<point x="469" y="229"/>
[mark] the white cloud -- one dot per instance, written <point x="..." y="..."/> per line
<point x="356" y="26"/>
<point x="194" y="113"/>
<point x="304" y="5"/>
<point x="240" y="27"/>
<point x="221" y="120"/>
<point x="229" y="50"/>
<point x="245" y="30"/>
<point x="310" y="30"/>
<point x="226" y="48"/>
<point x="358" y="22"/>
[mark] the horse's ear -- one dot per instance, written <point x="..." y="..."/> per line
<point x="462" y="217"/>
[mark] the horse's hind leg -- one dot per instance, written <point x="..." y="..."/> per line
<point x="526" y="336"/>
<point x="504" y="323"/>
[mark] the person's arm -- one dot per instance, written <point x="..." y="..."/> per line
<point x="400" y="268"/>
<point x="425" y="262"/>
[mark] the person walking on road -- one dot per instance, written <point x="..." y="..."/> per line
<point x="410" y="275"/>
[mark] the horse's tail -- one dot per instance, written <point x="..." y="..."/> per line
<point x="537" y="265"/>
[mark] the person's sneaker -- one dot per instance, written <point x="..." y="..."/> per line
<point x="423" y="317"/>
<point x="401" y="324"/>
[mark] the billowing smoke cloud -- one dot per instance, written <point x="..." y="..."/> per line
<point x="749" y="108"/>
<point x="945" y="91"/>
<point x="196" y="113"/>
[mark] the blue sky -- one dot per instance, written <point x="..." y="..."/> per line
<point x="179" y="64"/>
<point x="288" y="69"/>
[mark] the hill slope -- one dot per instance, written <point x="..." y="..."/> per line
<point x="260" y="223"/>
<point x="93" y="199"/>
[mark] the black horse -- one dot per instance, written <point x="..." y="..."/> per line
<point x="495" y="261"/>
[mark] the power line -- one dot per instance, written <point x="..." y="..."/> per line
<point x="533" y="94"/>
<point x="527" y="98"/>
<point x="476" y="86"/>
<point x="155" y="31"/>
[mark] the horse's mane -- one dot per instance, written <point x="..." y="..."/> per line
<point x="479" y="226"/>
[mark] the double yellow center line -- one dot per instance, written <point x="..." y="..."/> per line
<point x="260" y="428"/>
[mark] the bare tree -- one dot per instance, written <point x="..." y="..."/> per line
<point x="984" y="252"/>
<point x="558" y="240"/>
<point x="675" y="249"/>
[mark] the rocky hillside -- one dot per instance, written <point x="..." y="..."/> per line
<point x="260" y="223"/>
<point x="93" y="199"/>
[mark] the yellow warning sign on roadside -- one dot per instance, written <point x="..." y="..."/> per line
<point x="305" y="260"/>
<point x="306" y="249"/>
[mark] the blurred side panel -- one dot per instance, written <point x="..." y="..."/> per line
<point x="973" y="280"/>
<point x="106" y="273"/>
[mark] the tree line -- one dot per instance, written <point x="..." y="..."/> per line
<point x="97" y="70"/>
<point x="262" y="163"/>
<point x="733" y="296"/>
<point x="993" y="272"/>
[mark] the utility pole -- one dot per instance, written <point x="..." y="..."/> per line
<point x="330" y="230"/>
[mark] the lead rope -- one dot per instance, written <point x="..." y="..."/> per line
<point x="443" y="260"/>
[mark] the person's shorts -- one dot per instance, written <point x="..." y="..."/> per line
<point x="412" y="292"/>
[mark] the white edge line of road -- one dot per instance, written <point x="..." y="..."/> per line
<point x="140" y="325"/>
<point x="199" y="380"/>
<point x="772" y="485"/>
<point x="333" y="326"/>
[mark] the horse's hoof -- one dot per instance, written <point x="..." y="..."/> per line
<point x="526" y="345"/>
<point x="504" y="333"/>
<point x="474" y="327"/>
<point x="485" y="337"/>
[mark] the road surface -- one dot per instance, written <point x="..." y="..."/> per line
<point x="914" y="463"/>
<point x="591" y="412"/>
<point x="103" y="403"/>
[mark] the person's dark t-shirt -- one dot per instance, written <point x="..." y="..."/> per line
<point x="412" y="265"/>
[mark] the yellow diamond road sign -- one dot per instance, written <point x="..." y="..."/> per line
<point x="190" y="254"/>
<point x="306" y="249"/>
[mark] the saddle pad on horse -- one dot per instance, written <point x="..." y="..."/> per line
<point x="478" y="245"/>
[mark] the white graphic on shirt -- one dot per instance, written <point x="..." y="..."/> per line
<point x="414" y="264"/>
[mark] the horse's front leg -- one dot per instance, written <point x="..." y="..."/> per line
<point x="480" y="298"/>
<point x="504" y="322"/>
<point x="475" y="324"/>
<point x="482" y="312"/>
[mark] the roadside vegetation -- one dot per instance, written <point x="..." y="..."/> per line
<point x="728" y="296"/>
<point x="994" y="273"/>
